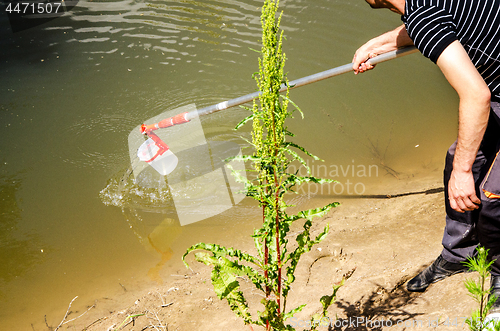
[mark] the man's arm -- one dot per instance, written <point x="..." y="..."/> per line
<point x="384" y="43"/>
<point x="473" y="113"/>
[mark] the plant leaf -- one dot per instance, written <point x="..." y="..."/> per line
<point x="290" y="144"/>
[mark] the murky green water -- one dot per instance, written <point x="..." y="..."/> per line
<point x="73" y="89"/>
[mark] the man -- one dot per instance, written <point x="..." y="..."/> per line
<point x="463" y="38"/>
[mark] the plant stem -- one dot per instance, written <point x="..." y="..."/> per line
<point x="481" y="305"/>
<point x="278" y="250"/>
<point x="266" y="259"/>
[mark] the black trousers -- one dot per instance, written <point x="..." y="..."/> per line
<point x="464" y="231"/>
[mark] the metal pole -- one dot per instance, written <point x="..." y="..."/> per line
<point x="300" y="82"/>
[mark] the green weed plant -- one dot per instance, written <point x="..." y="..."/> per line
<point x="478" y="291"/>
<point x="273" y="267"/>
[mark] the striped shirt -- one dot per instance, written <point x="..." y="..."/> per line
<point x="435" y="24"/>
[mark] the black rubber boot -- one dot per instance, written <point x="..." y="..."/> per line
<point x="438" y="270"/>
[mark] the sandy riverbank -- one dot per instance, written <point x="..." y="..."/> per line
<point x="387" y="240"/>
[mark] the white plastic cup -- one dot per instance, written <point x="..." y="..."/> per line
<point x="163" y="163"/>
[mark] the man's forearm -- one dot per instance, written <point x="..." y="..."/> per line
<point x="474" y="105"/>
<point x="391" y="40"/>
<point x="473" y="119"/>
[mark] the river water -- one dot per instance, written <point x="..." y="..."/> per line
<point x="73" y="220"/>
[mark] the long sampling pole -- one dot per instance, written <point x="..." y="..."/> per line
<point x="187" y="116"/>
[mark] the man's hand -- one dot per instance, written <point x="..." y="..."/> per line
<point x="363" y="54"/>
<point x="384" y="43"/>
<point x="462" y="192"/>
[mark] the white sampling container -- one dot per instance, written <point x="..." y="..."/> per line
<point x="158" y="155"/>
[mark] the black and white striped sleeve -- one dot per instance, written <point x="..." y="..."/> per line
<point x="431" y="29"/>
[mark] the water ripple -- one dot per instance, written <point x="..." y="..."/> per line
<point x="184" y="25"/>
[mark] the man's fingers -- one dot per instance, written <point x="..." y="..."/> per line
<point x="464" y="204"/>
<point x="454" y="206"/>
<point x="475" y="199"/>
<point x="461" y="205"/>
<point x="363" y="67"/>
<point x="462" y="192"/>
<point x="469" y="204"/>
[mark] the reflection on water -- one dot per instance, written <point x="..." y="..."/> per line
<point x="175" y="29"/>
<point x="161" y="240"/>
<point x="73" y="89"/>
<point x="18" y="251"/>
